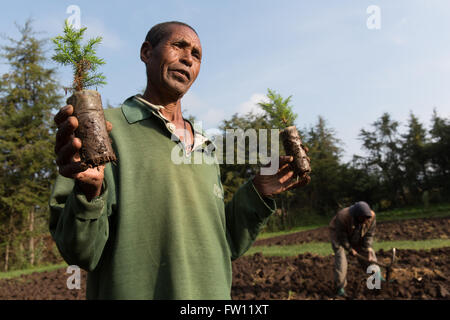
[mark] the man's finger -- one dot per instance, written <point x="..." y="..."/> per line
<point x="282" y="162"/>
<point x="63" y="114"/>
<point x="71" y="169"/>
<point x="295" y="183"/>
<point x="285" y="173"/>
<point x="285" y="159"/>
<point x="68" y="151"/>
<point x="108" y="126"/>
<point x="65" y="132"/>
<point x="286" y="176"/>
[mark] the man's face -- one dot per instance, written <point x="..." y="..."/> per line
<point x="362" y="219"/>
<point x="174" y="63"/>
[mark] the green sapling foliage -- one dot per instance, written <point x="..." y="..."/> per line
<point x="83" y="59"/>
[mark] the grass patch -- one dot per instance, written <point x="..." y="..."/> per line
<point x="266" y="235"/>
<point x="321" y="248"/>
<point x="18" y="273"/>
<point x="324" y="248"/>
<point x="437" y="211"/>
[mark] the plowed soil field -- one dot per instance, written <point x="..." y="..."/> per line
<point x="416" y="275"/>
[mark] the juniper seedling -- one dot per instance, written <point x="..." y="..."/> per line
<point x="83" y="59"/>
<point x="87" y="105"/>
<point x="278" y="109"/>
<point x="280" y="115"/>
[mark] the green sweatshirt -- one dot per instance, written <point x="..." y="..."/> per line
<point x="159" y="230"/>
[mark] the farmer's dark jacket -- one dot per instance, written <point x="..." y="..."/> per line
<point x="345" y="231"/>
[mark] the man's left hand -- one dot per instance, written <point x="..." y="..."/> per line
<point x="285" y="179"/>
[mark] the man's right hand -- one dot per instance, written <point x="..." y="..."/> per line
<point x="353" y="252"/>
<point x="67" y="148"/>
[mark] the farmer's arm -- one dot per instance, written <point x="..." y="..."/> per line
<point x="368" y="237"/>
<point x="252" y="205"/>
<point x="80" y="227"/>
<point x="246" y="214"/>
<point x="81" y="198"/>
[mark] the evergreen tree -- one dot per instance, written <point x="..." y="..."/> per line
<point x="28" y="93"/>
<point x="439" y="152"/>
<point x="324" y="152"/>
<point x="233" y="174"/>
<point x="415" y="158"/>
<point x="384" y="147"/>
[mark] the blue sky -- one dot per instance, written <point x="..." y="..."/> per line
<point x="320" y="52"/>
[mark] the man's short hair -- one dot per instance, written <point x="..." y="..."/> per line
<point x="159" y="31"/>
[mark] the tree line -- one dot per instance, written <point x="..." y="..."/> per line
<point x="397" y="169"/>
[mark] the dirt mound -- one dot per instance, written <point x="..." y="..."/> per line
<point x="417" y="275"/>
<point x="48" y="285"/>
<point x="412" y="229"/>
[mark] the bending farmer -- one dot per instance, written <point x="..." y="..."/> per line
<point x="352" y="229"/>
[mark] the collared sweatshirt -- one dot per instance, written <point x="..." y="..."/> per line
<point x="160" y="228"/>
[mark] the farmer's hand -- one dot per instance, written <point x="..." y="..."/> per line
<point x="68" y="159"/>
<point x="353" y="252"/>
<point x="284" y="179"/>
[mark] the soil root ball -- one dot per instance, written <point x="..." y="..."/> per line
<point x="96" y="145"/>
<point x="293" y="146"/>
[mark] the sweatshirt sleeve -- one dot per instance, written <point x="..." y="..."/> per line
<point x="246" y="214"/>
<point x="79" y="227"/>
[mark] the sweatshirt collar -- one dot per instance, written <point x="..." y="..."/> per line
<point x="135" y="111"/>
<point x="136" y="108"/>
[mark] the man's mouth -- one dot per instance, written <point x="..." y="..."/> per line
<point x="182" y="72"/>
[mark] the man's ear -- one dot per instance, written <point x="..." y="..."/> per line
<point x="146" y="52"/>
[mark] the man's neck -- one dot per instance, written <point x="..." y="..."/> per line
<point x="172" y="107"/>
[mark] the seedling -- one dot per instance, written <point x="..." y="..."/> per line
<point x="96" y="145"/>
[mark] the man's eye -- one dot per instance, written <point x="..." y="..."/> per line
<point x="196" y="55"/>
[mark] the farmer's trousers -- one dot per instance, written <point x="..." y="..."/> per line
<point x="340" y="262"/>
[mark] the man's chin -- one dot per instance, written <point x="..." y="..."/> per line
<point x="178" y="89"/>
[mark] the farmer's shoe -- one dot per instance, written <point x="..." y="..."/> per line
<point x="341" y="293"/>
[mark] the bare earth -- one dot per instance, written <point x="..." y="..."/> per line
<point x="417" y="274"/>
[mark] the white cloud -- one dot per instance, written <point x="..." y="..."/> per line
<point x="399" y="33"/>
<point x="212" y="118"/>
<point x="54" y="25"/>
<point x="192" y="103"/>
<point x="251" y="105"/>
<point x="97" y="28"/>
<point x="209" y="115"/>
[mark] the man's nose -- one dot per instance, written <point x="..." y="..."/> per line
<point x="186" y="59"/>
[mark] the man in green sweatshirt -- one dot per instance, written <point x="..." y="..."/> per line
<point x="150" y="226"/>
